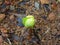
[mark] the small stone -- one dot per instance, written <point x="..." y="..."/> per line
<point x="12" y="7"/>
<point x="15" y="37"/>
<point x="52" y="16"/>
<point x="2" y="16"/>
<point x="43" y="40"/>
<point x="54" y="6"/>
<point x="5" y="25"/>
<point x="11" y="17"/>
<point x="7" y="2"/>
<point x="46" y="6"/>
<point x="54" y="31"/>
<point x="3" y="6"/>
<point x="44" y="1"/>
<point x="37" y="5"/>
<point x="19" y="20"/>
<point x="1" y="39"/>
<point x="3" y="30"/>
<point x="4" y="35"/>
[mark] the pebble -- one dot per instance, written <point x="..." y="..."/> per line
<point x="44" y="1"/>
<point x="51" y="16"/>
<point x="54" y="31"/>
<point x="5" y="25"/>
<point x="12" y="7"/>
<point x="1" y="40"/>
<point x="7" y="2"/>
<point x="37" y="5"/>
<point x="2" y="16"/>
<point x="46" y="6"/>
<point x="3" y="30"/>
<point x="15" y="37"/>
<point x="19" y="20"/>
<point x="12" y="17"/>
<point x="3" y="6"/>
<point x="54" y="6"/>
